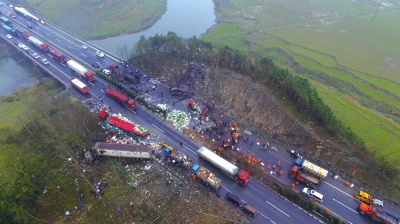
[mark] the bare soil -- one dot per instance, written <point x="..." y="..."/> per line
<point x="256" y="109"/>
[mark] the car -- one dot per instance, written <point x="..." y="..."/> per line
<point x="25" y="47"/>
<point x="29" y="26"/>
<point x="11" y="6"/>
<point x="96" y="65"/>
<point x="234" y="199"/>
<point x="106" y="71"/>
<point x="20" y="45"/>
<point x="16" y="42"/>
<point x="35" y="55"/>
<point x="313" y="194"/>
<point x="100" y="54"/>
<point x="44" y="61"/>
<point x="84" y="47"/>
<point x="8" y="36"/>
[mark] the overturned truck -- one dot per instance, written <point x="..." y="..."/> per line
<point x="123" y="150"/>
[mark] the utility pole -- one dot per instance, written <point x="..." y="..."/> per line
<point x="24" y="125"/>
<point x="376" y="11"/>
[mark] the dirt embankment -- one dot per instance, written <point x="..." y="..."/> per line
<point x="254" y="107"/>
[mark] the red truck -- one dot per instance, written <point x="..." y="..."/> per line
<point x="307" y="172"/>
<point x="39" y="44"/>
<point x="120" y="97"/>
<point x="121" y="124"/>
<point x="79" y="85"/>
<point x="378" y="214"/>
<point x="58" y="56"/>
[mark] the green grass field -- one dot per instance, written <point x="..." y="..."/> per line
<point x="100" y="18"/>
<point x="359" y="59"/>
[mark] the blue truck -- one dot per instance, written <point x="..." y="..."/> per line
<point x="9" y="30"/>
<point x="206" y="177"/>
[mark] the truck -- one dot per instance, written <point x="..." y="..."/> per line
<point x="79" y="85"/>
<point x="176" y="157"/>
<point x="6" y="21"/>
<point x="378" y="214"/>
<point x="232" y="171"/>
<point x="80" y="70"/>
<point x="204" y="126"/>
<point x="368" y="198"/>
<point x="9" y="30"/>
<point x="58" y="56"/>
<point x="39" y="44"/>
<point x="123" y="150"/>
<point x="28" y="15"/>
<point x="307" y="172"/>
<point x="22" y="32"/>
<point x="121" y="123"/>
<point x="206" y="177"/>
<point x="120" y="97"/>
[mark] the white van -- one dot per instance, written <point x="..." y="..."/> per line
<point x="313" y="194"/>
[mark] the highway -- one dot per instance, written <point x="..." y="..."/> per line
<point x="272" y="208"/>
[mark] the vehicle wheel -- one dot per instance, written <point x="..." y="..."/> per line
<point x="292" y="175"/>
<point x="226" y="198"/>
<point x="362" y="212"/>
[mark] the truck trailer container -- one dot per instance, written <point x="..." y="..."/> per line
<point x="120" y="97"/>
<point x="378" y="214"/>
<point x="123" y="150"/>
<point x="307" y="172"/>
<point x="80" y="70"/>
<point x="39" y="44"/>
<point x="80" y="86"/>
<point x="6" y="21"/>
<point x="58" y="56"/>
<point x="240" y="176"/>
<point x="9" y="30"/>
<point x="28" y="15"/>
<point x="206" y="176"/>
<point x="120" y="123"/>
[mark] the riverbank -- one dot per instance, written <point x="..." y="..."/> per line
<point x="98" y="20"/>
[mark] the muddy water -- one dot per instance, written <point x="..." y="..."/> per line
<point x="14" y="75"/>
<point x="187" y="18"/>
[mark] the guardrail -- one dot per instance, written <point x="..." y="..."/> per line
<point x="79" y="38"/>
<point x="36" y="62"/>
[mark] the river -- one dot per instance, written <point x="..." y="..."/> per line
<point x="187" y="18"/>
<point x="14" y="75"/>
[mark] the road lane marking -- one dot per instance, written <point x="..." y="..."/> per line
<point x="339" y="189"/>
<point x="69" y="46"/>
<point x="84" y="55"/>
<point x="58" y="40"/>
<point x="60" y="71"/>
<point x="46" y="33"/>
<point x="267" y="218"/>
<point x="346" y="206"/>
<point x="189" y="149"/>
<point x="158" y="128"/>
<point x="278" y="209"/>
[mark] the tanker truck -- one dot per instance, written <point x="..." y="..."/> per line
<point x="232" y="171"/>
<point x="39" y="44"/>
<point x="80" y="70"/>
<point x="307" y="172"/>
<point x="206" y="176"/>
<point x="120" y="97"/>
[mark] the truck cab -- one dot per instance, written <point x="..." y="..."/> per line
<point x="195" y="168"/>
<point x="243" y="177"/>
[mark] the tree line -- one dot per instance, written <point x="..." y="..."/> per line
<point x="293" y="88"/>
